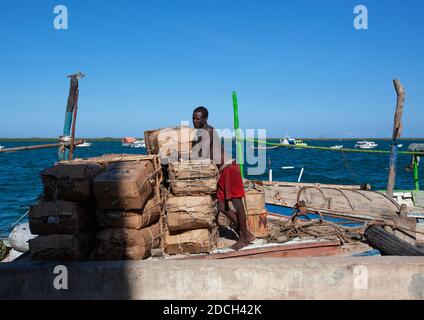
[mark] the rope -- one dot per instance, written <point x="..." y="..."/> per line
<point x="14" y="224"/>
<point x="3" y="251"/>
<point x="329" y="149"/>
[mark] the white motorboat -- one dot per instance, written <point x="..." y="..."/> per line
<point x="85" y="144"/>
<point x="366" y="145"/>
<point x="261" y="147"/>
<point x="1" y="147"/>
<point x="138" y="144"/>
<point x="339" y="146"/>
<point x="133" y="143"/>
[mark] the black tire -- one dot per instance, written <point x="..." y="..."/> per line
<point x="389" y="244"/>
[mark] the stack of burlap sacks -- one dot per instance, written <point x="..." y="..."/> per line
<point x="63" y="217"/>
<point x="100" y="208"/>
<point x="115" y="207"/>
<point x="190" y="224"/>
<point x="189" y="220"/>
<point x="129" y="203"/>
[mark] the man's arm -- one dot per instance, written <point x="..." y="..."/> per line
<point x="219" y="147"/>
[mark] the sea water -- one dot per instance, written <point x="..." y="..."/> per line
<point x="20" y="183"/>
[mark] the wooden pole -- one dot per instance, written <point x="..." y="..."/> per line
<point x="40" y="146"/>
<point x="64" y="152"/>
<point x="74" y="120"/>
<point x="397" y="130"/>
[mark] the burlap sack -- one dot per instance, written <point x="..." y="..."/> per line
<point x="193" y="187"/>
<point x="254" y="201"/>
<point x="123" y="244"/>
<point x="62" y="247"/>
<point x="136" y="219"/>
<point x="190" y="212"/>
<point x="60" y="217"/>
<point x="70" y="181"/>
<point x="125" y="185"/>
<point x="192" y="169"/>
<point x="170" y="142"/>
<point x="192" y="242"/>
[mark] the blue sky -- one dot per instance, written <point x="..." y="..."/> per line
<point x="297" y="66"/>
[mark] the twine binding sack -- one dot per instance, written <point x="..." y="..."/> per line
<point x="125" y="185"/>
<point x="192" y="242"/>
<point x="256" y="212"/>
<point x="193" y="177"/>
<point x="70" y="181"/>
<point x="254" y="199"/>
<point x="62" y="247"/>
<point x="190" y="212"/>
<point x="170" y="142"/>
<point x="135" y="219"/>
<point x="60" y="217"/>
<point x="124" y="244"/>
<point x="192" y="169"/>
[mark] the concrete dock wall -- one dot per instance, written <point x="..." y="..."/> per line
<point x="306" y="278"/>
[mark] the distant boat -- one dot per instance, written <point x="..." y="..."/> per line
<point x="85" y="144"/>
<point x="1" y="147"/>
<point x="366" y="145"/>
<point x="400" y="145"/>
<point x="339" y="146"/>
<point x="133" y="143"/>
<point x="263" y="147"/>
<point x="288" y="141"/>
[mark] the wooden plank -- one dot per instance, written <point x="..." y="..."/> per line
<point x="301" y="184"/>
<point x="418" y="197"/>
<point x="310" y="249"/>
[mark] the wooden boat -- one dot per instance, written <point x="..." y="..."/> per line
<point x="349" y="203"/>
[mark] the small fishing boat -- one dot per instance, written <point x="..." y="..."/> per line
<point x="1" y="147"/>
<point x="366" y="145"/>
<point x="339" y="146"/>
<point x="289" y="141"/>
<point x="85" y="144"/>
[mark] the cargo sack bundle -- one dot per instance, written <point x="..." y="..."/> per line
<point x="193" y="177"/>
<point x="170" y="142"/>
<point x="63" y="247"/>
<point x="134" y="219"/>
<point x="124" y="244"/>
<point x="255" y="199"/>
<point x="70" y="181"/>
<point x="190" y="212"/>
<point x="256" y="212"/>
<point x="125" y="185"/>
<point x="191" y="242"/>
<point x="58" y="216"/>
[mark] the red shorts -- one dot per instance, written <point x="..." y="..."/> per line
<point x="230" y="183"/>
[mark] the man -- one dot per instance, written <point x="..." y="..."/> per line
<point x="230" y="183"/>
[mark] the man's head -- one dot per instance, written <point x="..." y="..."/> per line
<point x="200" y="117"/>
